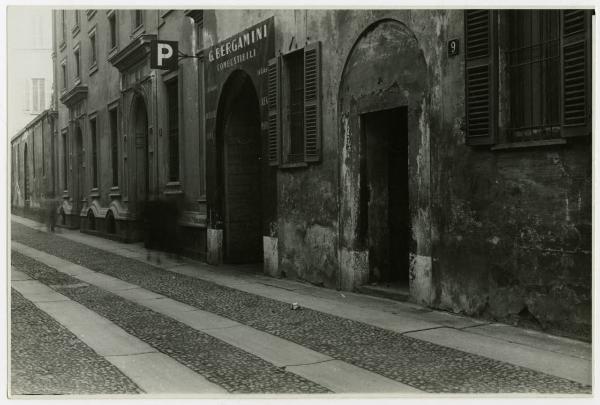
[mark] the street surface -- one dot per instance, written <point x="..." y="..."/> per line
<point x="93" y="316"/>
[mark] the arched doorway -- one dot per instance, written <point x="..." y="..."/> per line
<point x="79" y="168"/>
<point x="25" y="175"/>
<point x="240" y="166"/>
<point x="139" y="130"/>
<point x="384" y="189"/>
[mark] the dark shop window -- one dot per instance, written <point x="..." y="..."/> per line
<point x="114" y="146"/>
<point x="295" y="64"/>
<point x="93" y="140"/>
<point x="173" y="122"/>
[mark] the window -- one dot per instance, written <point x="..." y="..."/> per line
<point x="294" y="103"/>
<point x="173" y="122"/>
<point x="65" y="159"/>
<point x="77" y="63"/>
<point x="63" y="22"/>
<point x="93" y="47"/>
<point x="63" y="67"/>
<point x="93" y="140"/>
<point x="527" y="75"/>
<point x="138" y="18"/>
<point x="76" y="13"/>
<point x="114" y="146"/>
<point x="295" y="66"/>
<point x="38" y="95"/>
<point x="112" y="26"/>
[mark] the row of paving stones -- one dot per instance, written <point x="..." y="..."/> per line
<point x="423" y="365"/>
<point x="235" y="370"/>
<point x="47" y="359"/>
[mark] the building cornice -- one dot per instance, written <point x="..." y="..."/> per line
<point x="135" y="51"/>
<point x="74" y="95"/>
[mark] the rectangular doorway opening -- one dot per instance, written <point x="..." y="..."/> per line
<point x="384" y="227"/>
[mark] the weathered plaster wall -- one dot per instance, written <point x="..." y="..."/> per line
<point x="511" y="229"/>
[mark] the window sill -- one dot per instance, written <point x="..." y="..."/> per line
<point x="93" y="69"/>
<point x="62" y="46"/>
<point x="75" y="30"/>
<point x="529" y="144"/>
<point x="293" y="165"/>
<point x="94" y="193"/>
<point x="173" y="188"/>
<point x="77" y="81"/>
<point x="112" y="51"/>
<point x="90" y="14"/>
<point x="137" y="31"/>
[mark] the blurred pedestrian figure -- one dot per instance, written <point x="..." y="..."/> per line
<point x="51" y="210"/>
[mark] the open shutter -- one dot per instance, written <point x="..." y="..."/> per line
<point x="576" y="72"/>
<point x="312" y="102"/>
<point x="273" y="94"/>
<point x="480" y="80"/>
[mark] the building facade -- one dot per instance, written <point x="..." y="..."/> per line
<point x="446" y="152"/>
<point x="29" y="64"/>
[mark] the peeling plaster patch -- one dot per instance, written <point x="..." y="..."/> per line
<point x="421" y="279"/>
<point x="270" y="257"/>
<point x="354" y="268"/>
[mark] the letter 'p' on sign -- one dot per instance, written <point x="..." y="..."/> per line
<point x="163" y="55"/>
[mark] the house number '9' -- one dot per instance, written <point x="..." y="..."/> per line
<point x="453" y="47"/>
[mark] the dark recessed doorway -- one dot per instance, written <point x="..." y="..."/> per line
<point x="384" y="200"/>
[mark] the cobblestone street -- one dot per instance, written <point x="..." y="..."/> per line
<point x="103" y="319"/>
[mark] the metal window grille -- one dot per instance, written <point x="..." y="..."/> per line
<point x="296" y="71"/>
<point x="534" y="74"/>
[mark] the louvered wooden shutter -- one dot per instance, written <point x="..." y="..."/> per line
<point x="576" y="72"/>
<point x="480" y="80"/>
<point x="312" y="102"/>
<point x="273" y="94"/>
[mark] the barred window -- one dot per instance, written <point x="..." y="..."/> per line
<point x="533" y="58"/>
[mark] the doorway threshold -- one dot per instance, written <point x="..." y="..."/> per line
<point x="396" y="291"/>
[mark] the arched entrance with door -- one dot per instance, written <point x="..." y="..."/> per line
<point x="384" y="187"/>
<point x="240" y="169"/>
<point x="139" y="130"/>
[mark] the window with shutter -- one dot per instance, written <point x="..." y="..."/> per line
<point x="576" y="72"/>
<point x="312" y="102"/>
<point x="480" y="86"/>
<point x="273" y="94"/>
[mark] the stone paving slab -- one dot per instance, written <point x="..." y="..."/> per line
<point x="94" y="330"/>
<point x="16" y="275"/>
<point x="423" y="365"/>
<point x="571" y="368"/>
<point x="270" y="348"/>
<point x="219" y="362"/>
<point x="37" y="292"/>
<point x="47" y="359"/>
<point x="273" y="349"/>
<point x="157" y="373"/>
<point x="535" y="339"/>
<point x="345" y="378"/>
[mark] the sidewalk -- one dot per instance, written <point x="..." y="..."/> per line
<point x="560" y="357"/>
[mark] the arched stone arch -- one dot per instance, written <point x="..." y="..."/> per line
<point x="385" y="77"/>
<point x="240" y="169"/>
